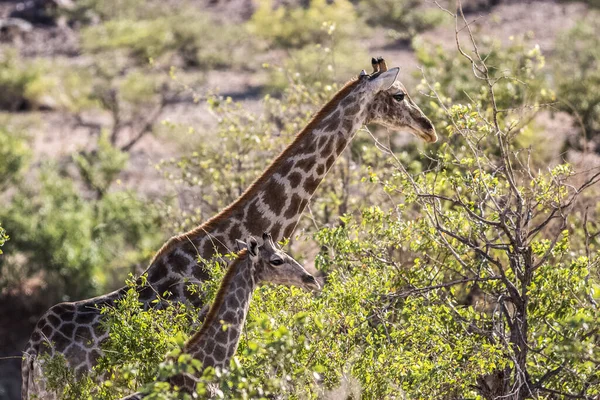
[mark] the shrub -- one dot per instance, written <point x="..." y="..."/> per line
<point x="33" y="84"/>
<point x="21" y="83"/>
<point x="14" y="156"/>
<point x="295" y="27"/>
<point x="196" y="39"/>
<point x="404" y="18"/>
<point x="316" y="64"/>
<point x="3" y="238"/>
<point x="577" y="75"/>
<point x="72" y="240"/>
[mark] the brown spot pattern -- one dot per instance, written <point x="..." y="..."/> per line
<point x="178" y="263"/>
<point x="326" y="151"/>
<point x="275" y="229"/>
<point x="306" y="164"/>
<point x="329" y="162"/>
<point x="67" y="329"/>
<point x="167" y="286"/>
<point x="83" y="333"/>
<point x="347" y="125"/>
<point x="311" y="184"/>
<point x="295" y="178"/>
<point x="158" y="271"/>
<point x="293" y="208"/>
<point x="320" y="169"/>
<point x="54" y="320"/>
<point x="274" y="196"/>
<point x="352" y="110"/>
<point x="235" y="232"/>
<point x="340" y="146"/>
<point x="67" y="316"/>
<point x="255" y="221"/>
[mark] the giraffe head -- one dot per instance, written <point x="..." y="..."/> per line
<point x="391" y="106"/>
<point x="271" y="265"/>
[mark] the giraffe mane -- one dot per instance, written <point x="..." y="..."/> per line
<point x="219" y="298"/>
<point x="251" y="191"/>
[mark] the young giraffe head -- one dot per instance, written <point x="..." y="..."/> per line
<point x="271" y="265"/>
<point x="391" y="106"/>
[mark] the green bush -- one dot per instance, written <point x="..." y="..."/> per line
<point x="295" y="27"/>
<point x="316" y="64"/>
<point x="38" y="83"/>
<point x="14" y="154"/>
<point x="21" y="83"/>
<point x="404" y="18"/>
<point x="3" y="238"/>
<point x="193" y="37"/>
<point x="577" y="76"/>
<point x="69" y="239"/>
<point x="72" y="241"/>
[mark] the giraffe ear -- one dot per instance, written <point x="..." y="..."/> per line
<point x="384" y="80"/>
<point x="252" y="246"/>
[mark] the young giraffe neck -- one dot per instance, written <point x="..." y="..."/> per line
<point x="212" y="344"/>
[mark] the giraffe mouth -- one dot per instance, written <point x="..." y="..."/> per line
<point x="427" y="135"/>
<point x="430" y="137"/>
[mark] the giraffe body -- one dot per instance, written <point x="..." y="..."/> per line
<point x="213" y="345"/>
<point x="273" y="203"/>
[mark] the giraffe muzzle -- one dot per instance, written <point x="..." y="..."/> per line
<point x="310" y="282"/>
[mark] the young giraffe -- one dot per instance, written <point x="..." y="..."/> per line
<point x="255" y="265"/>
<point x="273" y="203"/>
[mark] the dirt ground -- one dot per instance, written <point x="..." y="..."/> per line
<point x="56" y="136"/>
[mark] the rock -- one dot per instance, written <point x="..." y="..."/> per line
<point x="42" y="12"/>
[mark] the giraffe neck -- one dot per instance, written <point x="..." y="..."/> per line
<point x="216" y="342"/>
<point x="277" y="199"/>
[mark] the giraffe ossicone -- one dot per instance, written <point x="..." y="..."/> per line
<point x="256" y="264"/>
<point x="273" y="203"/>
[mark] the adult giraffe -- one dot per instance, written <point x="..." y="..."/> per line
<point x="273" y="203"/>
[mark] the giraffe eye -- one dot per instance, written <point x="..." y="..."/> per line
<point x="398" y="96"/>
<point x="276" y="261"/>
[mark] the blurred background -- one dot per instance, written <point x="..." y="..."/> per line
<point x="123" y="122"/>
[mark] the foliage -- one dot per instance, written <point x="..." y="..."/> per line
<point x="33" y="84"/>
<point x="517" y="71"/>
<point x="136" y="345"/>
<point x="99" y="169"/>
<point x="577" y="71"/>
<point x="21" y="83"/>
<point x="67" y="237"/>
<point x="3" y="237"/>
<point x="90" y="11"/>
<point x="519" y="75"/>
<point x="194" y="37"/>
<point x="14" y="155"/>
<point x="297" y="26"/>
<point x="404" y="18"/>
<point x="71" y="240"/>
<point x="316" y="64"/>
